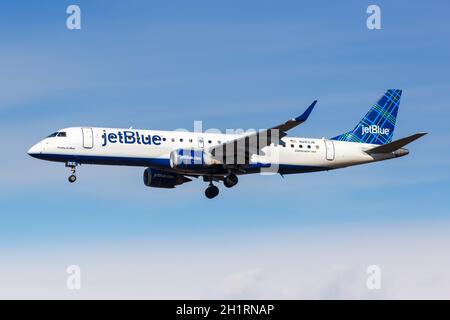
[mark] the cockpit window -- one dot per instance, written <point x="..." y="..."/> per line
<point x="53" y="135"/>
<point x="62" y="134"/>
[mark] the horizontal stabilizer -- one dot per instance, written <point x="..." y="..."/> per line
<point x="395" y="145"/>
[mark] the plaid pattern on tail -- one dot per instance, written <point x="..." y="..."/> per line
<point x="377" y="127"/>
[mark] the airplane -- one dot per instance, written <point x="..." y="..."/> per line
<point x="172" y="158"/>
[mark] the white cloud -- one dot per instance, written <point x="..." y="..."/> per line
<point x="241" y="285"/>
<point x="321" y="263"/>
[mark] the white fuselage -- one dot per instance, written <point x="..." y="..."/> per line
<point x="152" y="148"/>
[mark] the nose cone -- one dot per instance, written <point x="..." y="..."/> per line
<point x="35" y="150"/>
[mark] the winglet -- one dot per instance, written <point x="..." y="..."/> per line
<point x="307" y="112"/>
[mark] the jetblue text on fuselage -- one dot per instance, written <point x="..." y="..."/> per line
<point x="130" y="137"/>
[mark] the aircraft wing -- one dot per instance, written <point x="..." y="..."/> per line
<point x="243" y="147"/>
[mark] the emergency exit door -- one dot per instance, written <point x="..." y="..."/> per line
<point x="201" y="142"/>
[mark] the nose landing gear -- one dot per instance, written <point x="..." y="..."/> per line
<point x="72" y="165"/>
<point x="72" y="178"/>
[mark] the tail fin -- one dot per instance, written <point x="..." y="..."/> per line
<point x="377" y="127"/>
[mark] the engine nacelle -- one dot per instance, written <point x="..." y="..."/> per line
<point x="191" y="159"/>
<point x="162" y="179"/>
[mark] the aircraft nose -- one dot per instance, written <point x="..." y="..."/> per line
<point x="35" y="150"/>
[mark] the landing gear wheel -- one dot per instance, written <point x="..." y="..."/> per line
<point x="230" y="180"/>
<point x="73" y="166"/>
<point x="211" y="192"/>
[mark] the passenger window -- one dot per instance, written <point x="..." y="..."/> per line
<point x="173" y="139"/>
<point x="190" y="140"/>
<point x="309" y="147"/>
<point x="164" y="139"/>
<point x="218" y="141"/>
<point x="181" y="140"/>
<point x="209" y="141"/>
<point x="301" y="146"/>
<point x="317" y="146"/>
<point x="292" y="145"/>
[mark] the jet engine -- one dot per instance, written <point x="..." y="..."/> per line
<point x="162" y="179"/>
<point x="191" y="159"/>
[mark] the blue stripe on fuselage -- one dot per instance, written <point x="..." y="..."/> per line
<point x="119" y="161"/>
<point x="163" y="163"/>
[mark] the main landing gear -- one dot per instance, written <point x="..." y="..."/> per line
<point x="212" y="191"/>
<point x="230" y="181"/>
<point x="72" y="165"/>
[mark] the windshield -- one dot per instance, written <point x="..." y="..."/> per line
<point x="58" y="134"/>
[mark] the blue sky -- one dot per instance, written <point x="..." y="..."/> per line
<point x="231" y="64"/>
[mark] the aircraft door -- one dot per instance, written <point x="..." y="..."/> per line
<point x="88" y="138"/>
<point x="201" y="142"/>
<point x="329" y="149"/>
